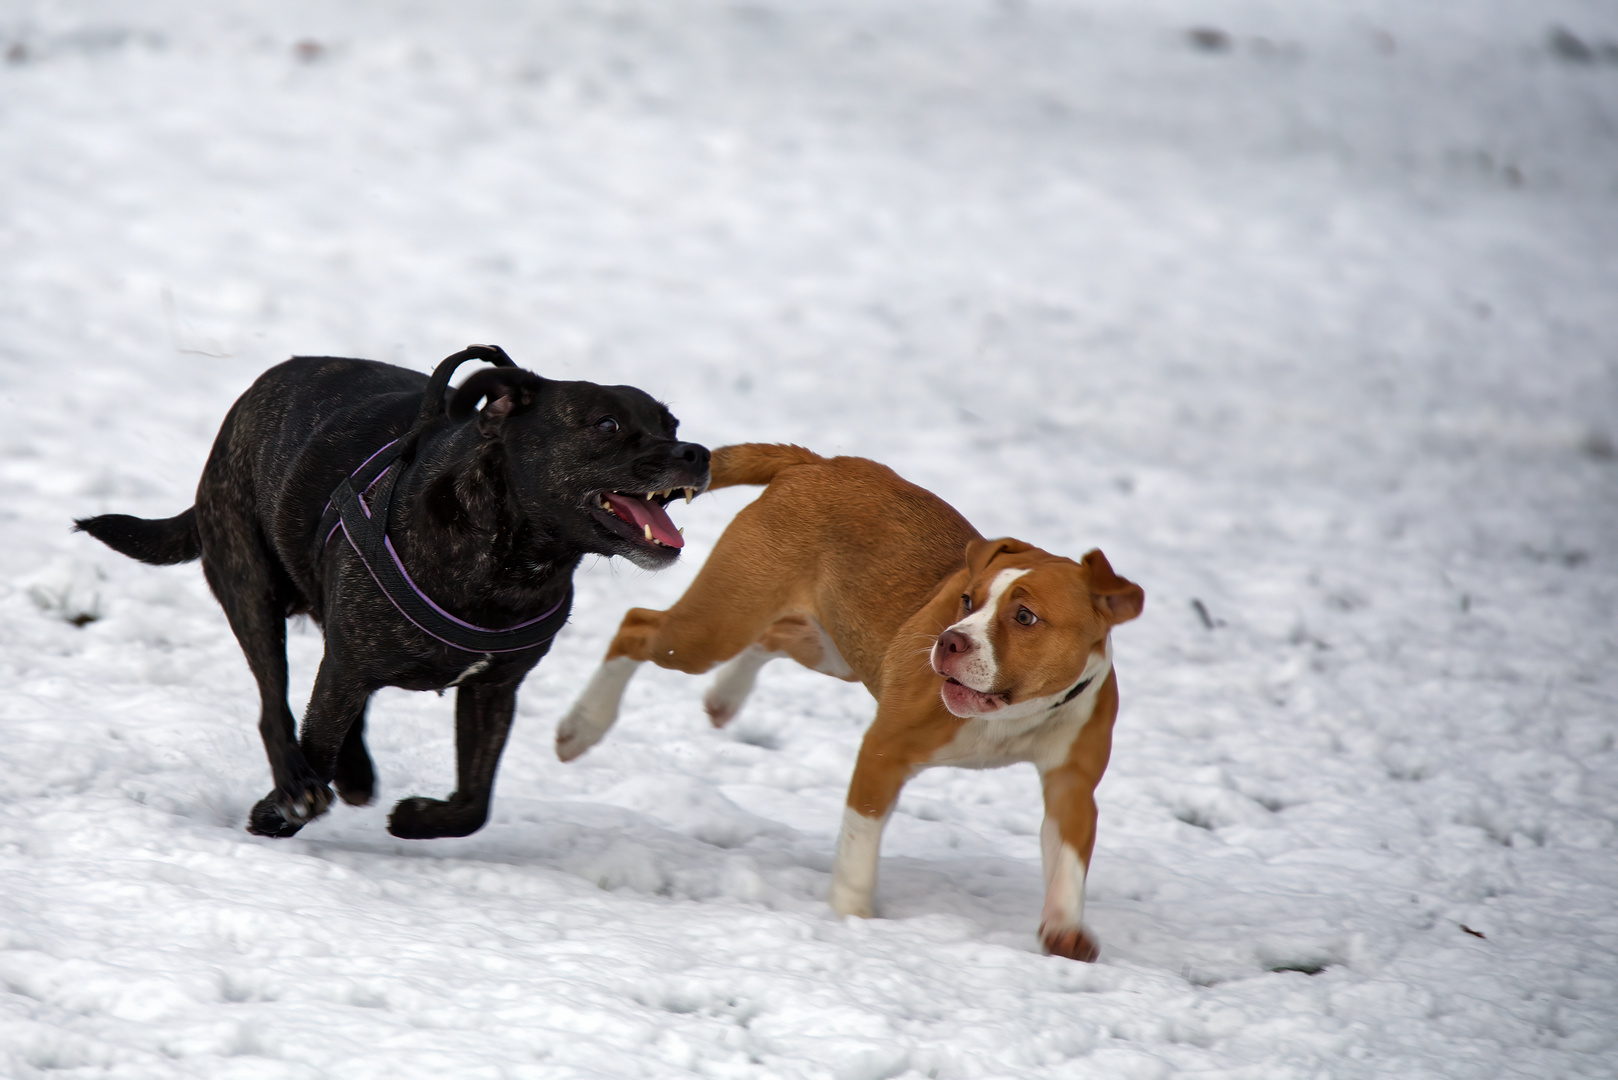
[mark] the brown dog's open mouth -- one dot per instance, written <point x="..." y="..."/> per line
<point x="642" y="517"/>
<point x="962" y="700"/>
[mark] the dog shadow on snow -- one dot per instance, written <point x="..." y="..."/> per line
<point x="695" y="847"/>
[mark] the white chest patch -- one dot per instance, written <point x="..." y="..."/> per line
<point x="477" y="667"/>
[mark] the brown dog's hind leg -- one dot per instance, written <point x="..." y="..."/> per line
<point x="643" y="635"/>
<point x="797" y="636"/>
<point x="735" y="682"/>
<point x="727" y="608"/>
<point x="683" y="639"/>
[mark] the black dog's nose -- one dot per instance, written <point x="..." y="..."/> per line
<point x="692" y="454"/>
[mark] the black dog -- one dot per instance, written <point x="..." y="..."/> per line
<point x="353" y="491"/>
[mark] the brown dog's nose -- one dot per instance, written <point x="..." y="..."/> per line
<point x="953" y="641"/>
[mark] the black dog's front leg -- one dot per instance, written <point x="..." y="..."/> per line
<point x="482" y="721"/>
<point x="334" y="719"/>
<point x="355" y="778"/>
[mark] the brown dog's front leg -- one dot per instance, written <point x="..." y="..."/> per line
<point x="1068" y="835"/>
<point x="483" y="714"/>
<point x="1066" y="840"/>
<point x="880" y="773"/>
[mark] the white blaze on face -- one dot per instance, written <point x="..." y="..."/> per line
<point x="979" y="669"/>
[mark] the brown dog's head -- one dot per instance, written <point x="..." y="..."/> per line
<point x="1031" y="627"/>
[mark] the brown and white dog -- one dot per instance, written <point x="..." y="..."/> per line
<point x="980" y="653"/>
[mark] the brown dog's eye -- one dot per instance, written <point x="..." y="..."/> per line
<point x="607" y="424"/>
<point x="966" y="602"/>
<point x="1026" y="617"/>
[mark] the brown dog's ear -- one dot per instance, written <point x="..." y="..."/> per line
<point x="980" y="553"/>
<point x="1117" y="599"/>
<point x="509" y="390"/>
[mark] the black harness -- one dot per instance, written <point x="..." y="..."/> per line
<point x="359" y="507"/>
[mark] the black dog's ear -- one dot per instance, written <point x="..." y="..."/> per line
<point x="509" y="390"/>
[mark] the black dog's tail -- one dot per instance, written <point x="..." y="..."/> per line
<point x="162" y="543"/>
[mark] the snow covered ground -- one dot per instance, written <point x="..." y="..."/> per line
<point x="1307" y="319"/>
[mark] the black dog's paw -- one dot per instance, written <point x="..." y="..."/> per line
<point x="300" y="805"/>
<point x="355" y="794"/>
<point x="266" y="820"/>
<point x="355" y="778"/>
<point x="425" y="819"/>
<point x="355" y="785"/>
<point x="283" y="813"/>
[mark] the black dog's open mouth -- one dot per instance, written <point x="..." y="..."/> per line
<point x="641" y="517"/>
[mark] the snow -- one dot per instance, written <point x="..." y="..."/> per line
<point x="1308" y="326"/>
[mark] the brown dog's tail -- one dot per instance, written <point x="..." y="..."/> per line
<point x="162" y="543"/>
<point x="755" y="463"/>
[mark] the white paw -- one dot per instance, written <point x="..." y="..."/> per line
<point x="721" y="709"/>
<point x="579" y="731"/>
<point x="596" y="710"/>
<point x="848" y="901"/>
<point x="1071" y="941"/>
<point x="734" y="682"/>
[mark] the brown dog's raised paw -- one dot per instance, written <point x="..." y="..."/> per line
<point x="719" y="713"/>
<point x="1072" y="942"/>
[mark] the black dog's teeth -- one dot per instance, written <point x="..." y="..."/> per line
<point x="667" y="495"/>
<point x="663" y="498"/>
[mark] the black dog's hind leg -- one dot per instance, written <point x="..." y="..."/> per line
<point x="256" y="593"/>
<point x="245" y="585"/>
<point x="482" y="721"/>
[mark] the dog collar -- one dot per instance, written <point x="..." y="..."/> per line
<point x="1075" y="692"/>
<point x="365" y="525"/>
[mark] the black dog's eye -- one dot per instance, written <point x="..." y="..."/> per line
<point x="966" y="602"/>
<point x="607" y="424"/>
<point x="1026" y="617"/>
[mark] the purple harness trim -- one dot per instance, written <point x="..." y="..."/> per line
<point x="364" y="493"/>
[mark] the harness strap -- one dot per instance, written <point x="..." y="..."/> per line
<point x="362" y="480"/>
<point x="366" y="529"/>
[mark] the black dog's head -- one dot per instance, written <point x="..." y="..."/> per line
<point x="595" y="464"/>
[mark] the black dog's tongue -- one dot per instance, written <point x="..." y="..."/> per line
<point x="644" y="514"/>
